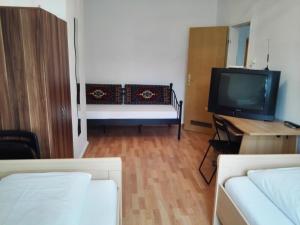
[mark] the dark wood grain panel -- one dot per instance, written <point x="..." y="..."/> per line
<point x="24" y="86"/>
<point x="34" y="84"/>
<point x="65" y="87"/>
<point x="10" y="23"/>
<point x="5" y="115"/>
<point x="56" y="72"/>
<point x="50" y="69"/>
<point x="35" y="87"/>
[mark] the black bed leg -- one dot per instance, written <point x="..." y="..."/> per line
<point x="179" y="131"/>
<point x="104" y="129"/>
<point x="179" y="120"/>
<point x="140" y="129"/>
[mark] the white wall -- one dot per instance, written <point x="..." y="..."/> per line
<point x="232" y="46"/>
<point x="243" y="36"/>
<point x="67" y="10"/>
<point x="278" y="21"/>
<point x="142" y="41"/>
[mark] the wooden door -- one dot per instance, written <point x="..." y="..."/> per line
<point x="207" y="49"/>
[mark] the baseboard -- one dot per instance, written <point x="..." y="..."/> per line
<point x="84" y="149"/>
<point x="298" y="145"/>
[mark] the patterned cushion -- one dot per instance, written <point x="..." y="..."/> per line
<point x="103" y="94"/>
<point x="147" y="94"/>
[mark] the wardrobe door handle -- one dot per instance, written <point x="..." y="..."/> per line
<point x="63" y="111"/>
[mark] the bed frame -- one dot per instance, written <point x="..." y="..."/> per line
<point x="225" y="210"/>
<point x="139" y="122"/>
<point x="100" y="169"/>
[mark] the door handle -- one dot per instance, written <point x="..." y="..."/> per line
<point x="189" y="78"/>
<point x="63" y="111"/>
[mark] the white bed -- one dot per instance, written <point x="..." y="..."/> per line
<point x="74" y="199"/>
<point x="269" y="192"/>
<point x="130" y="112"/>
<point x="254" y="204"/>
<point x="76" y="191"/>
<point x="100" y="207"/>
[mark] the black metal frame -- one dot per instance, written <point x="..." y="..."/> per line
<point x="220" y="124"/>
<point x="139" y="122"/>
<point x="208" y="181"/>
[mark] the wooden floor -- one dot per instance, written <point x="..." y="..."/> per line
<point x="161" y="182"/>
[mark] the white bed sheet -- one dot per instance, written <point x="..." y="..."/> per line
<point x="100" y="207"/>
<point x="130" y="112"/>
<point x="282" y="186"/>
<point x="254" y="205"/>
<point x="43" y="198"/>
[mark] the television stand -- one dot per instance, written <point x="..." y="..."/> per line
<point x="260" y="137"/>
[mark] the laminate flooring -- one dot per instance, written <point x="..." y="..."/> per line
<point x="161" y="182"/>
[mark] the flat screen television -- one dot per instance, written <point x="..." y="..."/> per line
<point x="244" y="93"/>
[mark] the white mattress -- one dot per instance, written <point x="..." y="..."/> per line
<point x="282" y="186"/>
<point x="130" y="112"/>
<point x="254" y="205"/>
<point x="43" y="198"/>
<point x="100" y="207"/>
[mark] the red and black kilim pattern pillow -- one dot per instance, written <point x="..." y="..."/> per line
<point x="103" y="94"/>
<point x="147" y="94"/>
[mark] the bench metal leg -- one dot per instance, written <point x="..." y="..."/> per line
<point x="179" y="131"/>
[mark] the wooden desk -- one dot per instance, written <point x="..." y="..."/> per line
<point x="261" y="137"/>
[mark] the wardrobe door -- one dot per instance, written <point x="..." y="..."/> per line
<point x="49" y="72"/>
<point x="13" y="77"/>
<point x="55" y="70"/>
<point x="54" y="40"/>
<point x="34" y="73"/>
<point x="66" y="123"/>
<point x="5" y="116"/>
<point x="34" y="82"/>
<point x="22" y="96"/>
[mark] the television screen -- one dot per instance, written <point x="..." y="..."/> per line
<point x="244" y="91"/>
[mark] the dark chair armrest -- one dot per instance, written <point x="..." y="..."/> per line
<point x="26" y="136"/>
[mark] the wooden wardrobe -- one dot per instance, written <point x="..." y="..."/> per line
<point x="34" y="78"/>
